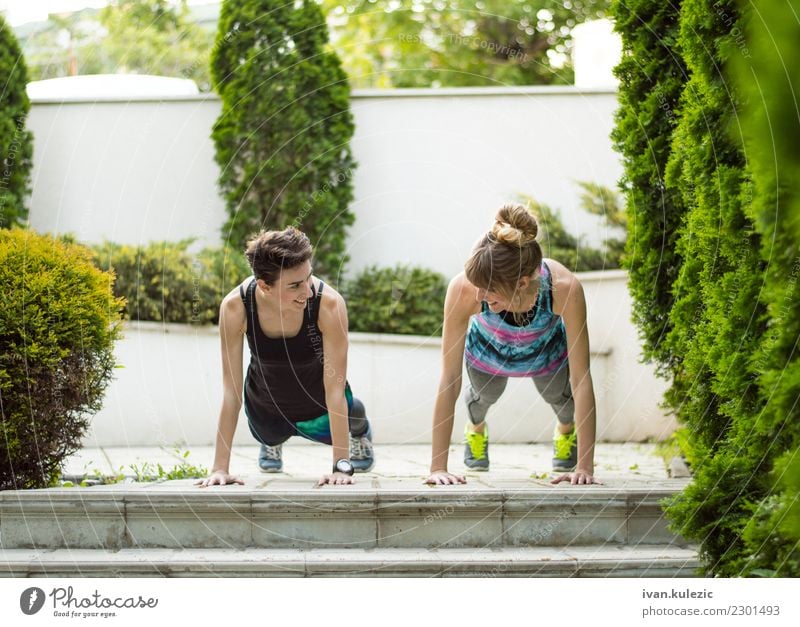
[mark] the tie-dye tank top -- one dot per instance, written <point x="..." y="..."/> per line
<point x="499" y="348"/>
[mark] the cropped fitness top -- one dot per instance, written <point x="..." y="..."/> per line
<point x="285" y="375"/>
<point x="496" y="346"/>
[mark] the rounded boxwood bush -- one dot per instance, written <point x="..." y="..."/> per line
<point x="58" y="323"/>
<point x="401" y="299"/>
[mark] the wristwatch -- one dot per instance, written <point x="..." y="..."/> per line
<point x="343" y="466"/>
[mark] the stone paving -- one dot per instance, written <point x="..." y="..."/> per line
<point x="526" y="465"/>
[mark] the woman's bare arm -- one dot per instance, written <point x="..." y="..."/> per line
<point x="460" y="304"/>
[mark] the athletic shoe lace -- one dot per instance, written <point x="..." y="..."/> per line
<point x="360" y="448"/>
<point x="477" y="444"/>
<point x="272" y="452"/>
<point x="563" y="444"/>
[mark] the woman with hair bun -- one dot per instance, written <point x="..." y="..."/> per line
<point x="296" y="383"/>
<point x="511" y="313"/>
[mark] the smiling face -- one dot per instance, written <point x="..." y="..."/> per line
<point x="520" y="299"/>
<point x="291" y="289"/>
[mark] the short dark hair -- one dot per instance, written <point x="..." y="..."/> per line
<point x="270" y="252"/>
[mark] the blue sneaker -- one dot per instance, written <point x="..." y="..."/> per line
<point x="270" y="458"/>
<point x="476" y="452"/>
<point x="362" y="455"/>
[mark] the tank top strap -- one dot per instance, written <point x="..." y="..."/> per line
<point x="247" y="298"/>
<point x="546" y="287"/>
<point x="316" y="299"/>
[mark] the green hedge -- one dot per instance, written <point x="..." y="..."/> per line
<point x="164" y="282"/>
<point x="724" y="324"/>
<point x="58" y="323"/>
<point x="771" y="129"/>
<point x="652" y="74"/>
<point x="402" y="299"/>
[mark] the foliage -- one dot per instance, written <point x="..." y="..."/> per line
<point x="454" y="43"/>
<point x="58" y="324"/>
<point x="282" y="138"/>
<point x="144" y="473"/>
<point x="652" y="74"/>
<point x="558" y="243"/>
<point x="770" y="131"/>
<point x="163" y="282"/>
<point x="723" y="325"/>
<point x="125" y="37"/>
<point x="16" y="143"/>
<point x="402" y="299"/>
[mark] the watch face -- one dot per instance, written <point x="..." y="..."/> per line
<point x="344" y="466"/>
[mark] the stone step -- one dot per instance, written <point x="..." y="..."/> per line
<point x="576" y="561"/>
<point x="292" y="515"/>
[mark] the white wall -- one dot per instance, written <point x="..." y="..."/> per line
<point x="433" y="167"/>
<point x="170" y="390"/>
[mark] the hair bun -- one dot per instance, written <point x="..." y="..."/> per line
<point x="515" y="226"/>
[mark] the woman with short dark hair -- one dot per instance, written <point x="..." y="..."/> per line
<point x="296" y="383"/>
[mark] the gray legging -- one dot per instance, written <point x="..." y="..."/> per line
<point x="484" y="390"/>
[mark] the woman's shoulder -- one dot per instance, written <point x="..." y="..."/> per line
<point x="232" y="302"/>
<point x="564" y="284"/>
<point x="331" y="302"/>
<point x="462" y="296"/>
<point x="560" y="275"/>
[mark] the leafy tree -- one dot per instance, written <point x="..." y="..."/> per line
<point x="127" y="36"/>
<point x="282" y="138"/>
<point x="16" y="143"/>
<point x="154" y="37"/>
<point x="452" y="43"/>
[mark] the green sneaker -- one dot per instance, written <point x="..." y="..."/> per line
<point x="565" y="451"/>
<point x="476" y="452"/>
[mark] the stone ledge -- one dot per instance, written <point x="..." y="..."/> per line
<point x="576" y="561"/>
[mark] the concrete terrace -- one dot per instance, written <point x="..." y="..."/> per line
<point x="507" y="522"/>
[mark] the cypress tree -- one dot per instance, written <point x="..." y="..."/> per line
<point x="16" y="142"/>
<point x="282" y="138"/>
<point x="766" y="46"/>
<point x="652" y="75"/>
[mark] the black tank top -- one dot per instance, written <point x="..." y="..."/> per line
<point x="285" y="376"/>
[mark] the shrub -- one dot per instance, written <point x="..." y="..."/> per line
<point x="282" y="138"/>
<point x="402" y="299"/>
<point x="58" y="323"/>
<point x="16" y="143"/>
<point x="559" y="244"/>
<point x="163" y="282"/>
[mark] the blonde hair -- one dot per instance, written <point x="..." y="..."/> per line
<point x="508" y="252"/>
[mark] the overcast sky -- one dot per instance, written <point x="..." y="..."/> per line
<point x="20" y="11"/>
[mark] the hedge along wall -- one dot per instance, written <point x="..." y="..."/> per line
<point x="717" y="302"/>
